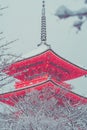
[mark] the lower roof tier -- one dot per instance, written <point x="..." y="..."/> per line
<point x="54" y="90"/>
<point x="44" y="63"/>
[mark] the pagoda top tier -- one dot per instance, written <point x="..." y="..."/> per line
<point x="45" y="63"/>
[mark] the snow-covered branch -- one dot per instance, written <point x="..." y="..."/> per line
<point x="42" y="110"/>
<point x="63" y="13"/>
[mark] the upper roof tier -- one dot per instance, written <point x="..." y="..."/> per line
<point x="44" y="61"/>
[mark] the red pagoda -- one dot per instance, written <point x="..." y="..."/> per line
<point x="43" y="68"/>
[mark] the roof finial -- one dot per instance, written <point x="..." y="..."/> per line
<point x="43" y="26"/>
<point x="43" y="23"/>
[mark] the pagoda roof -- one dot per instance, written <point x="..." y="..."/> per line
<point x="46" y="61"/>
<point x="11" y="98"/>
<point x="38" y="50"/>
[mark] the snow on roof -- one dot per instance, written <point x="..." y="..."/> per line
<point x="4" y="108"/>
<point x="79" y="86"/>
<point x="7" y="88"/>
<point x="38" y="50"/>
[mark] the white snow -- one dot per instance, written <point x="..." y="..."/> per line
<point x="7" y="88"/>
<point x="4" y="108"/>
<point x="38" y="50"/>
<point x="79" y="86"/>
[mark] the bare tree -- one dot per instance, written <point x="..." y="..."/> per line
<point x="6" y="58"/>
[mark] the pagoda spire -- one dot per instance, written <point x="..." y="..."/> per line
<point x="43" y="26"/>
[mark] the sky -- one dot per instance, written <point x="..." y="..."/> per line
<point x="22" y="21"/>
